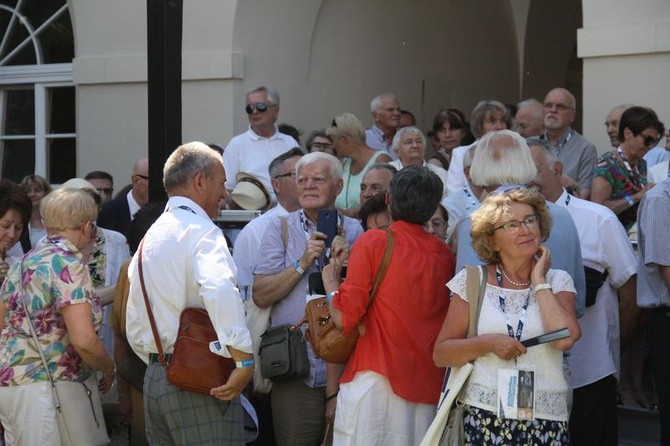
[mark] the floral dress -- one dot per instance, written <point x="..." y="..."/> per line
<point x="53" y="276"/>
<point x="624" y="182"/>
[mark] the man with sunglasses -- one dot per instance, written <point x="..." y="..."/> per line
<point x="253" y="150"/>
<point x="103" y="182"/>
<point x="577" y="154"/>
<point x="117" y="213"/>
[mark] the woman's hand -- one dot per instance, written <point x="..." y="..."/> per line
<point x="539" y="273"/>
<point x="331" y="274"/>
<point x="339" y="249"/>
<point x="107" y="380"/>
<point x="505" y="347"/>
<point x="639" y="194"/>
<point x="4" y="268"/>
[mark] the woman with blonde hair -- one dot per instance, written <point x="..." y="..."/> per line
<point x="348" y="136"/>
<point x="523" y="298"/>
<point x="37" y="188"/>
<point x="53" y="284"/>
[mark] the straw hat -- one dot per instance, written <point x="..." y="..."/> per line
<point x="249" y="193"/>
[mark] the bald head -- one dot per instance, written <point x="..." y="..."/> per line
<point x="612" y="123"/>
<point x="529" y="119"/>
<point x="559" y="111"/>
<point x="140" y="181"/>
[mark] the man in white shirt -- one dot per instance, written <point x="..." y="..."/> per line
<point x="186" y="263"/>
<point x="247" y="255"/>
<point x="385" y="111"/>
<point x="594" y="359"/>
<point x="252" y="151"/>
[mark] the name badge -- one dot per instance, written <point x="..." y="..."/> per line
<point x="516" y="393"/>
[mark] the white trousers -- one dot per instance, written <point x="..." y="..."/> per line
<point x="369" y="413"/>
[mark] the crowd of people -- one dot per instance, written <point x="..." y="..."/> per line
<point x="564" y="239"/>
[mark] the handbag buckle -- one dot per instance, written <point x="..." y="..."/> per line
<point x="324" y="320"/>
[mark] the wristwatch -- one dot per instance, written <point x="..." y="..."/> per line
<point x="629" y="200"/>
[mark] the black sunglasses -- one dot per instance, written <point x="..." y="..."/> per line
<point x="260" y="107"/>
<point x="650" y="141"/>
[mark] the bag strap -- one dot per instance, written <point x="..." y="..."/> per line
<point x="381" y="272"/>
<point x="33" y="333"/>
<point x="284" y="231"/>
<point x="152" y="321"/>
<point x="475" y="288"/>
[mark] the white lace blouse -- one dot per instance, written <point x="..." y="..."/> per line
<point x="547" y="361"/>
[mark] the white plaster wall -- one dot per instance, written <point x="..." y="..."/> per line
<point x="337" y="54"/>
<point x="626" y="51"/>
<point x="110" y="71"/>
<point x="325" y="57"/>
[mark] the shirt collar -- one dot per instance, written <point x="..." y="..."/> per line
<point x="560" y="142"/>
<point x="133" y="206"/>
<point x="563" y="199"/>
<point x="176" y="201"/>
<point x="256" y="137"/>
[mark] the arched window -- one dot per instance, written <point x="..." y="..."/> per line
<point x="37" y="95"/>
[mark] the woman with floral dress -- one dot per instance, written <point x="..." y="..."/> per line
<point x="54" y="282"/>
<point x="620" y="179"/>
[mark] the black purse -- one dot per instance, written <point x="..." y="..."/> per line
<point x="594" y="280"/>
<point x="283" y="354"/>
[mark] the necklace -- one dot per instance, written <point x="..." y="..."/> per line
<point x="511" y="281"/>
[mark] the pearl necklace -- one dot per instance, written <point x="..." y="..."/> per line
<point x="511" y="281"/>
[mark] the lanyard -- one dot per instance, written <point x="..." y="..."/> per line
<point x="522" y="316"/>
<point x="186" y="208"/>
<point x="567" y="200"/>
<point x="559" y="144"/>
<point x="634" y="173"/>
<point x="469" y="195"/>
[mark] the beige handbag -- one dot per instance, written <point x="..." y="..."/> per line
<point x="78" y="405"/>
<point x="447" y="426"/>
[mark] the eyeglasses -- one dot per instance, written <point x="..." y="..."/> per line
<point x="105" y="190"/>
<point x="435" y="224"/>
<point x="320" y="181"/>
<point x="287" y="174"/>
<point x="144" y="177"/>
<point x="513" y="226"/>
<point x="650" y="141"/>
<point x="559" y="107"/>
<point x="322" y="145"/>
<point x="260" y="107"/>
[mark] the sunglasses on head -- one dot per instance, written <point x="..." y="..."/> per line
<point x="260" y="107"/>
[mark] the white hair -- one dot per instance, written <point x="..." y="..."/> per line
<point x="502" y="157"/>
